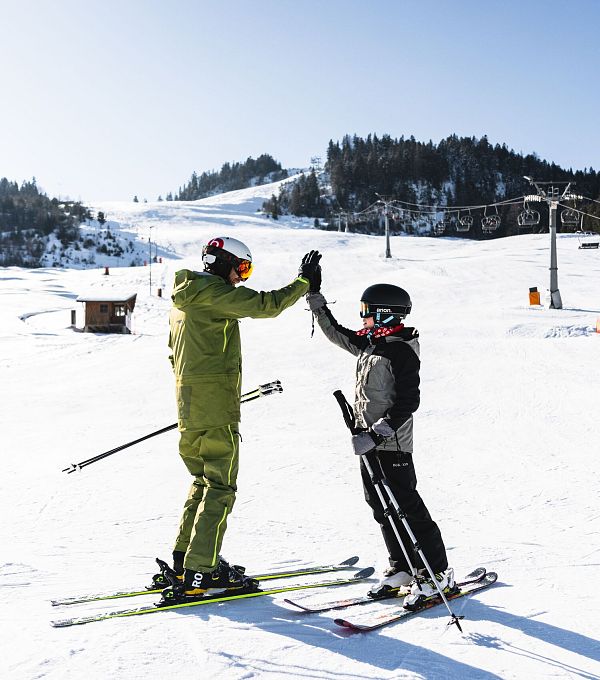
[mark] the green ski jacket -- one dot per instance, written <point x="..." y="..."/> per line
<point x="205" y="343"/>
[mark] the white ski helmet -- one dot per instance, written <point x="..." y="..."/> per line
<point x="223" y="253"/>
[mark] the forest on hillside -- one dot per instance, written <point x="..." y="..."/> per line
<point x="231" y="176"/>
<point x="28" y="218"/>
<point x="424" y="182"/>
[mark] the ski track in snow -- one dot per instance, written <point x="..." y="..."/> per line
<point x="506" y="454"/>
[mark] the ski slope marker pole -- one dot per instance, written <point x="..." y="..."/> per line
<point x="261" y="391"/>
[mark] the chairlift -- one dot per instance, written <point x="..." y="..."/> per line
<point x="591" y="238"/>
<point x="465" y="222"/>
<point x="569" y="217"/>
<point x="528" y="217"/>
<point x="439" y="228"/>
<point x="490" y="223"/>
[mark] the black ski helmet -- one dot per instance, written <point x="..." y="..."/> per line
<point x="386" y="303"/>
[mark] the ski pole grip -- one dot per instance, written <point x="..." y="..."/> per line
<point x="347" y="411"/>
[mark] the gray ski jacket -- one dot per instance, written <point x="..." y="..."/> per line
<point x="387" y="376"/>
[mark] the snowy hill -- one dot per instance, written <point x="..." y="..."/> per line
<point x="505" y="451"/>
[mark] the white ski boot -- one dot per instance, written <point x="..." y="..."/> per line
<point x="423" y="588"/>
<point x="393" y="582"/>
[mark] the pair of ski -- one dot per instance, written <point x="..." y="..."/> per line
<point x="209" y="599"/>
<point x="466" y="587"/>
<point x="367" y="618"/>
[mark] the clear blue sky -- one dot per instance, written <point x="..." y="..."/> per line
<point x="104" y="99"/>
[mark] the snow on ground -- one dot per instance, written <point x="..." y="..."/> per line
<point x="506" y="454"/>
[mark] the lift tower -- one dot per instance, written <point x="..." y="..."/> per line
<point x="551" y="193"/>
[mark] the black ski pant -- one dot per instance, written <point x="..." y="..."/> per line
<point x="399" y="472"/>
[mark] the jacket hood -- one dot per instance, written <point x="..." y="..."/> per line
<point x="189" y="284"/>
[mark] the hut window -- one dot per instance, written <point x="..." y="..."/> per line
<point x="103" y="309"/>
<point x="119" y="310"/>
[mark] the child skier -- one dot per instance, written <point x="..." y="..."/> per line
<point x="386" y="396"/>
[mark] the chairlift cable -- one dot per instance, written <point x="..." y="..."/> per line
<point x="508" y="201"/>
<point x="591" y="200"/>
<point x="581" y="212"/>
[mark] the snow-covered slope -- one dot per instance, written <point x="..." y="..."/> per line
<point x="506" y="454"/>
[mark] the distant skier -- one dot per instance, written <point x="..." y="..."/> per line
<point x="206" y="358"/>
<point x="387" y="394"/>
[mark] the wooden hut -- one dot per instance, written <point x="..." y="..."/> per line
<point x="107" y="313"/>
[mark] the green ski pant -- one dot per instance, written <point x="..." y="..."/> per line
<point x="212" y="458"/>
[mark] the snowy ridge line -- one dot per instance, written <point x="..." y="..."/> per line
<point x="76" y="621"/>
<point x="287" y="573"/>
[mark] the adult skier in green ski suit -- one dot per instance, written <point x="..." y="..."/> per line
<point x="207" y="362"/>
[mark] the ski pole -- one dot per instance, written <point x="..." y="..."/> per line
<point x="260" y="391"/>
<point x="350" y="420"/>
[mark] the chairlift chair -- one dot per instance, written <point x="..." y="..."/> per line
<point x="465" y="222"/>
<point x="439" y="228"/>
<point x="592" y="240"/>
<point x="569" y="217"/>
<point x="589" y="245"/>
<point x="490" y="223"/>
<point x="528" y="217"/>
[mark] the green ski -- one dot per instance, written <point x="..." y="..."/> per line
<point x="285" y="573"/>
<point x="76" y="621"/>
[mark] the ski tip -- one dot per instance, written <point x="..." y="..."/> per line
<point x="476" y="574"/>
<point x="350" y="562"/>
<point x="296" y="604"/>
<point x="364" y="573"/>
<point x="348" y="626"/>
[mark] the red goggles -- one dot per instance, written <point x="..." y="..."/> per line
<point x="244" y="269"/>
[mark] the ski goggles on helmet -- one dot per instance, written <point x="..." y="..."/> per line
<point x="244" y="269"/>
<point x="381" y="313"/>
<point x="364" y="310"/>
<point x="211" y="253"/>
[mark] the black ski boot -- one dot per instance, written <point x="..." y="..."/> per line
<point x="197" y="585"/>
<point x="161" y="580"/>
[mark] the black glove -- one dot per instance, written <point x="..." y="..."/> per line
<point x="311" y="269"/>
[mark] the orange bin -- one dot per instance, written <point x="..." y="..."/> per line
<point x="534" y="296"/>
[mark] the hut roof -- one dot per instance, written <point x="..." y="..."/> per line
<point x="107" y="297"/>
